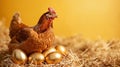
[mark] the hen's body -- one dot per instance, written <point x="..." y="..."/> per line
<point x="38" y="42"/>
<point x="32" y="39"/>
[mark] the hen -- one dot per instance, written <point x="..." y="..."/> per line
<point x="32" y="39"/>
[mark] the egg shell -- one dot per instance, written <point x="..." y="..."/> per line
<point x="48" y="51"/>
<point x="53" y="58"/>
<point x="36" y="58"/>
<point x="61" y="49"/>
<point x="18" y="56"/>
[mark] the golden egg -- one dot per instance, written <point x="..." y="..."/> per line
<point x="18" y="56"/>
<point x="61" y="49"/>
<point x="53" y="58"/>
<point x="48" y="51"/>
<point x="36" y="58"/>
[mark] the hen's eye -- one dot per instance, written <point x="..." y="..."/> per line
<point x="48" y="15"/>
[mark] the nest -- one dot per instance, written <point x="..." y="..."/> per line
<point x="81" y="52"/>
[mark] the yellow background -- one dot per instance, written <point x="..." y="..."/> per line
<point x="91" y="18"/>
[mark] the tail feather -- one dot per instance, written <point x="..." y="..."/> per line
<point x="16" y="17"/>
<point x="15" y="25"/>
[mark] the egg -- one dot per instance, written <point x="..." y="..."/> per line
<point x="48" y="51"/>
<point x="18" y="56"/>
<point x="36" y="58"/>
<point x="53" y="58"/>
<point x="61" y="49"/>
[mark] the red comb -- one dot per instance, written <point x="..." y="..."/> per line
<point x="51" y="10"/>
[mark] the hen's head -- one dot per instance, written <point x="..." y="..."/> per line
<point x="46" y="20"/>
<point x="51" y="14"/>
<point x="48" y="16"/>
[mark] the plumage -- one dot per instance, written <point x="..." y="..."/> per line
<point x="32" y="39"/>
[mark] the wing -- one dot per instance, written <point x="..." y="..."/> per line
<point x="23" y="34"/>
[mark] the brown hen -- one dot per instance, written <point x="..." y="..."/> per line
<point x="32" y="39"/>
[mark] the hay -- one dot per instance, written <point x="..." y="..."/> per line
<point x="81" y="52"/>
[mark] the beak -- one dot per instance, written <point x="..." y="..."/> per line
<point x="55" y="16"/>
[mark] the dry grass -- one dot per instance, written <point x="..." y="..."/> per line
<point x="81" y="52"/>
